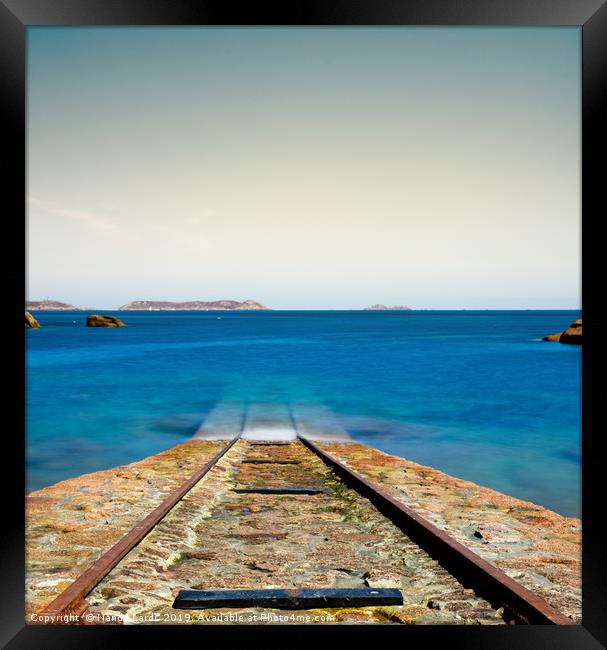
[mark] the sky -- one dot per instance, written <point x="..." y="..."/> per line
<point x="305" y="168"/>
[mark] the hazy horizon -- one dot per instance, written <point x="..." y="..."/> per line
<point x="305" y="168"/>
<point x="91" y="306"/>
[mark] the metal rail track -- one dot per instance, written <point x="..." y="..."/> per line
<point x="71" y="600"/>
<point x="466" y="566"/>
<point x="520" y="605"/>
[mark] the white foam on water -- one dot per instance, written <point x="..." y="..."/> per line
<point x="269" y="421"/>
<point x="270" y="433"/>
<point x="272" y="421"/>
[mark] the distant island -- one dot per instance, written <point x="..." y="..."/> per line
<point x="153" y="305"/>
<point x="384" y="308"/>
<point x="33" y="305"/>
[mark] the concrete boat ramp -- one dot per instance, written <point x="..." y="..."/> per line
<point x="283" y="501"/>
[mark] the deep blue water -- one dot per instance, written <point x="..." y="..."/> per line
<point x="473" y="393"/>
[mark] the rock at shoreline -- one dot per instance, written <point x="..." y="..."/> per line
<point x="195" y="305"/>
<point x="30" y="321"/>
<point x="572" y="335"/>
<point x="49" y="304"/>
<point x="553" y="337"/>
<point x="384" y="308"/>
<point x="95" y="320"/>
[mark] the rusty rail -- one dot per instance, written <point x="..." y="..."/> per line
<point x="466" y="566"/>
<point x="71" y="600"/>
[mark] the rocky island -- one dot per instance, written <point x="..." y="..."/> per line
<point x="95" y="320"/>
<point x="33" y="305"/>
<point x="572" y="335"/>
<point x="153" y="305"/>
<point x="30" y="321"/>
<point x="384" y="308"/>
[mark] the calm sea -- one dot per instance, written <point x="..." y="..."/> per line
<point x="473" y="393"/>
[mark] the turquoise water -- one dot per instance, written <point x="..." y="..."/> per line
<point x="473" y="393"/>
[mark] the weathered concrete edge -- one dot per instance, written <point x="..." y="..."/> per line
<point x="70" y="524"/>
<point x="533" y="545"/>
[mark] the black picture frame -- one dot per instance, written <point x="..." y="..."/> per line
<point x="590" y="15"/>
